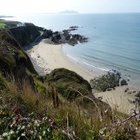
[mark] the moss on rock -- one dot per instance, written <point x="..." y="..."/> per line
<point x="13" y="60"/>
<point x="69" y="83"/>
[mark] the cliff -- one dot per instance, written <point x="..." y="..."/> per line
<point x="58" y="106"/>
<point x="13" y="60"/>
<point x="25" y="34"/>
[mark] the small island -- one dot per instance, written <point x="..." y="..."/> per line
<point x="69" y="12"/>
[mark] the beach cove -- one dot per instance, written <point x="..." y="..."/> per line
<point x="47" y="57"/>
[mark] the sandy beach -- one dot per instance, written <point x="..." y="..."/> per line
<point x="47" y="57"/>
<point x="118" y="99"/>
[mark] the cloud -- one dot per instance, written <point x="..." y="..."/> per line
<point x="84" y="6"/>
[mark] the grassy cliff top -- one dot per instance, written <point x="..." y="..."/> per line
<point x="5" y="24"/>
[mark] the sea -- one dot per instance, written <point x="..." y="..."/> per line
<point x="113" y="40"/>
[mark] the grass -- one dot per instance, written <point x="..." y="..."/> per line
<point x="69" y="120"/>
<point x="5" y="24"/>
<point x="2" y="25"/>
<point x="66" y="80"/>
<point x="21" y="55"/>
<point x="40" y="86"/>
<point x="59" y="106"/>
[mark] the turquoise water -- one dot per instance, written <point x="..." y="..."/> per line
<point x="114" y="39"/>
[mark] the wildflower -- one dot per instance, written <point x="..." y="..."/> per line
<point x="23" y="127"/>
<point x="36" y="123"/>
<point x="103" y="131"/>
<point x="23" y="134"/>
<point x="48" y="130"/>
<point x="11" y="132"/>
<point x="1" y="137"/>
<point x="5" y="134"/>
<point x="44" y="132"/>
<point x="31" y="132"/>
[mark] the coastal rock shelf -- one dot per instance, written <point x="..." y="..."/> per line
<point x="28" y="34"/>
<point x="64" y="36"/>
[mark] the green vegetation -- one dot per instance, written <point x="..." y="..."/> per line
<point x="22" y="55"/>
<point x="2" y="25"/>
<point x="68" y="83"/>
<point x="59" y="106"/>
<point x="41" y="88"/>
<point x="2" y="83"/>
<point x="26" y="114"/>
<point x="12" y="58"/>
<point x="5" y="24"/>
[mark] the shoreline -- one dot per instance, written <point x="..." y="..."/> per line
<point x="47" y="57"/>
<point x="44" y="57"/>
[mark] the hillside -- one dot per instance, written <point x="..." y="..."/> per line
<point x="58" y="106"/>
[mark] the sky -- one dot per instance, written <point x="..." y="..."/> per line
<point x="13" y="7"/>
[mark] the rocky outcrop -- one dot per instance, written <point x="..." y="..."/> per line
<point x="64" y="36"/>
<point x="13" y="60"/>
<point x="25" y="34"/>
<point x="108" y="81"/>
<point x="123" y="82"/>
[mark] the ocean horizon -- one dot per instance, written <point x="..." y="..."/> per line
<point x="113" y="40"/>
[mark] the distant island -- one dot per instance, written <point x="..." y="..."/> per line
<point x="3" y="16"/>
<point x="69" y="12"/>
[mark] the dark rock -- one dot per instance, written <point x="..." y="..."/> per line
<point x="74" y="27"/>
<point x="129" y="92"/>
<point x="64" y="37"/>
<point x="123" y="82"/>
<point x="138" y="94"/>
<point x="126" y="90"/>
<point x="106" y="82"/>
<point x="13" y="60"/>
<point x="137" y="100"/>
<point x="26" y="34"/>
<point x="109" y="89"/>
<point x="47" y="34"/>
<point x="56" y="37"/>
<point x="134" y="91"/>
<point x="128" y="80"/>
